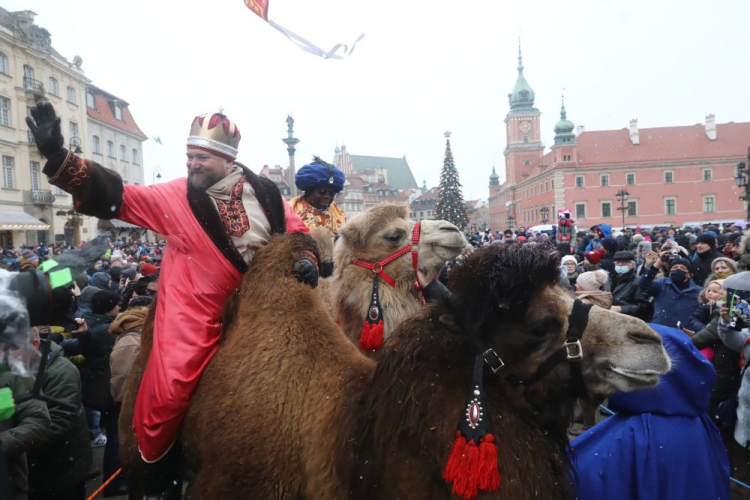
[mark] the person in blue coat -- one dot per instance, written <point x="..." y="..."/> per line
<point x="599" y="233"/>
<point x="660" y="445"/>
<point x="676" y="295"/>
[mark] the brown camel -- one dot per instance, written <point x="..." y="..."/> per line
<point x="371" y="237"/>
<point x="290" y="409"/>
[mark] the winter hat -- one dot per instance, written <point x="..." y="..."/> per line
<point x="521" y="239"/>
<point x="692" y="239"/>
<point x="128" y="273"/>
<point x="707" y="239"/>
<point x="87" y="294"/>
<point x="592" y="280"/>
<point x="637" y="238"/>
<point x="682" y="240"/>
<point x="569" y="258"/>
<point x="684" y="262"/>
<point x="593" y="256"/>
<point x="149" y="269"/>
<point x="624" y="255"/>
<point x="319" y="174"/>
<point x="633" y="246"/>
<point x="101" y="280"/>
<point x="729" y="262"/>
<point x="115" y="272"/>
<point x="734" y="238"/>
<point x="710" y="232"/>
<point x="103" y="301"/>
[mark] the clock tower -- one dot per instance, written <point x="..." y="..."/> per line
<point x="523" y="133"/>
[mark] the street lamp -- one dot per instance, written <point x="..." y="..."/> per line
<point x="156" y="175"/>
<point x="622" y="199"/>
<point x="545" y="214"/>
<point x="742" y="181"/>
<point x="509" y="217"/>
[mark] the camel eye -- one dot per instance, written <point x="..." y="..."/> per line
<point x="394" y="238"/>
<point x="548" y="326"/>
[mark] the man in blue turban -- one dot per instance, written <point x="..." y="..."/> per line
<point x="320" y="182"/>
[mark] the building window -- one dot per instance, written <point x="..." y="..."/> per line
<point x="632" y="208"/>
<point x="3" y="63"/>
<point x="566" y="157"/>
<point x="8" y="167"/>
<point x="90" y="102"/>
<point x="546" y="187"/>
<point x="527" y="162"/>
<point x="123" y="153"/>
<point x="707" y="174"/>
<point x="630" y="178"/>
<point x="668" y="177"/>
<point x="71" y="95"/>
<point x="708" y="203"/>
<point x="135" y="156"/>
<point x="670" y="206"/>
<point x="5" y="111"/>
<point x="73" y="130"/>
<point x="110" y="149"/>
<point x="34" y="167"/>
<point x="580" y="210"/>
<point x="526" y="139"/>
<point x="579" y="181"/>
<point x="604" y="180"/>
<point x="607" y="209"/>
<point x="118" y="112"/>
<point x="97" y="145"/>
<point x="28" y="77"/>
<point x="53" y="87"/>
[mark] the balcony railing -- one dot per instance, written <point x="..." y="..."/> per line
<point x="34" y="86"/>
<point x="42" y="197"/>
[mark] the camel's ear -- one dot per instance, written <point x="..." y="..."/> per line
<point x="449" y="322"/>
<point x="352" y="235"/>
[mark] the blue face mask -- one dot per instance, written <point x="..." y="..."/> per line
<point x="622" y="269"/>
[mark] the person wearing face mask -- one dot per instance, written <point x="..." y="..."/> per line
<point x="704" y="256"/>
<point x="627" y="297"/>
<point x="319" y="181"/>
<point x="676" y="295"/>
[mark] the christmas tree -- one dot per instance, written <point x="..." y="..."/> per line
<point x="450" y="202"/>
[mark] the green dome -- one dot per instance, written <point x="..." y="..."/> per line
<point x="522" y="95"/>
<point x="564" y="128"/>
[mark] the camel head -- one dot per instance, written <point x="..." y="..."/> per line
<point x="510" y="294"/>
<point x="384" y="229"/>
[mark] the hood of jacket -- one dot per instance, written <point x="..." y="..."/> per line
<point x="680" y="392"/>
<point x="596" y="297"/>
<point x="132" y="319"/>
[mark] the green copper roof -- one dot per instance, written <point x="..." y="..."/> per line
<point x="564" y="128"/>
<point x="522" y="95"/>
<point x="399" y="173"/>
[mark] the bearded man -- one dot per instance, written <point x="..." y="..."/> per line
<point x="215" y="221"/>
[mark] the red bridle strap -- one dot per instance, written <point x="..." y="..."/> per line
<point x="377" y="267"/>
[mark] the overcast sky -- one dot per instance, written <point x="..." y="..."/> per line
<point x="424" y="66"/>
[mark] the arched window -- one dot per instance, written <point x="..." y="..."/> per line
<point x="28" y="77"/>
<point x="71" y="94"/>
<point x="3" y="63"/>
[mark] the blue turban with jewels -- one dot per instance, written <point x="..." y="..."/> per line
<point x="319" y="174"/>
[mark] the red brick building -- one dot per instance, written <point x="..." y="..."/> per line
<point x="682" y="175"/>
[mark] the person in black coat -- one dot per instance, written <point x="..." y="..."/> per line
<point x="627" y="296"/>
<point x="705" y="254"/>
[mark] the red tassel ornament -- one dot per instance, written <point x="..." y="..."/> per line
<point x="372" y="336"/>
<point x="473" y="461"/>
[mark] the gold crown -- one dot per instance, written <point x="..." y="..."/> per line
<point x="215" y="133"/>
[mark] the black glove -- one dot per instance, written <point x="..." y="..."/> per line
<point x="46" y="130"/>
<point x="306" y="272"/>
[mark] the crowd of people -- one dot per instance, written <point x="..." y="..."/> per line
<point x="89" y="359"/>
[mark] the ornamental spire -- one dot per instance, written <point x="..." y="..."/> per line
<point x="520" y="58"/>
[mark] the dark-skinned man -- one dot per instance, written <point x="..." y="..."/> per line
<point x="215" y="221"/>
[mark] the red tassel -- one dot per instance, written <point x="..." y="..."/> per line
<point x="489" y="474"/>
<point x="472" y="468"/>
<point x="371" y="338"/>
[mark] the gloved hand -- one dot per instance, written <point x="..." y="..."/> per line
<point x="306" y="272"/>
<point x="46" y="129"/>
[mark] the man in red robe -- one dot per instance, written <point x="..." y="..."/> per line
<point x="215" y="220"/>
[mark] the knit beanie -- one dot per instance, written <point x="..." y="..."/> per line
<point x="103" y="301"/>
<point x="707" y="239"/>
<point x="684" y="262"/>
<point x="637" y="238"/>
<point x="592" y="280"/>
<point x="729" y="262"/>
<point x="569" y="258"/>
<point x="148" y="269"/>
<point x="101" y="280"/>
<point x="593" y="256"/>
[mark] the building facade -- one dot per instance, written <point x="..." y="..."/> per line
<point x="673" y="176"/>
<point x="31" y="71"/>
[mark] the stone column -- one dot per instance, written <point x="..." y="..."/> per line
<point x="291" y="142"/>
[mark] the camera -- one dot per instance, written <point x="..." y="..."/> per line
<point x="670" y="255"/>
<point x="739" y="308"/>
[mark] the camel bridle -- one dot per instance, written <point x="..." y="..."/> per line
<point x="371" y="338"/>
<point x="571" y="351"/>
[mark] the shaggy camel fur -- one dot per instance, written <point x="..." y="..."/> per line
<point x="371" y="237"/>
<point x="289" y="409"/>
<point x="324" y="238"/>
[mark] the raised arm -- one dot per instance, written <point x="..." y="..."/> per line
<point x="96" y="190"/>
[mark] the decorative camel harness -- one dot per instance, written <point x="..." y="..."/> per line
<point x="371" y="338"/>
<point x="472" y="464"/>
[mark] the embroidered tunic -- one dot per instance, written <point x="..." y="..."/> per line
<point x="333" y="218"/>
<point x="199" y="271"/>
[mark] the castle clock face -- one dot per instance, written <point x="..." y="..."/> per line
<point x="525" y="126"/>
